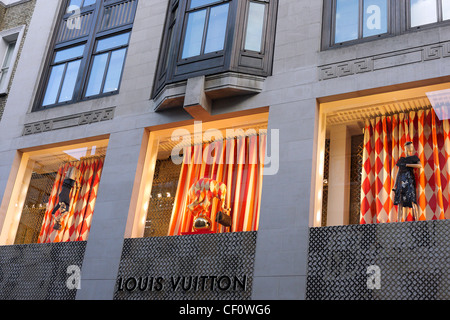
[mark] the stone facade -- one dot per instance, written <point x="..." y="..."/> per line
<point x="303" y="77"/>
<point x="11" y="16"/>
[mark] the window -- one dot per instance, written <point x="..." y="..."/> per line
<point x="89" y="53"/>
<point x="205" y="29"/>
<point x="63" y="75"/>
<point x="223" y="158"/>
<point x="204" y="37"/>
<point x="384" y="161"/>
<point x="352" y="21"/>
<point x="350" y="25"/>
<point x="78" y="4"/>
<point x="108" y="61"/>
<point x="423" y="12"/>
<point x="7" y="63"/>
<point x="9" y="47"/>
<point x="54" y="197"/>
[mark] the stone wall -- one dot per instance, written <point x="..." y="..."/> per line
<point x="10" y="17"/>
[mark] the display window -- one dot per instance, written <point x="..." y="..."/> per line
<point x="384" y="162"/>
<point x="54" y="196"/>
<point x="203" y="178"/>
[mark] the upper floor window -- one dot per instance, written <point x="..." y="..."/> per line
<point x="353" y="21"/>
<point x="203" y="37"/>
<point x="89" y="51"/>
<point x="206" y="27"/>
<point x="424" y="12"/>
<point x="357" y="19"/>
<point x="9" y="50"/>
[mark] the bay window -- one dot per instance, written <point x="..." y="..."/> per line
<point x="206" y="37"/>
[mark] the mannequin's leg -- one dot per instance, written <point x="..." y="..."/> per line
<point x="399" y="213"/>
<point x="415" y="212"/>
<point x="405" y="213"/>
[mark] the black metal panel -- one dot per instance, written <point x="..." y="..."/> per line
<point x="413" y="260"/>
<point x="38" y="271"/>
<point x="150" y="268"/>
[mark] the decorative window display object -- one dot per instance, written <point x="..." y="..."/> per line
<point x="201" y="195"/>
<point x="89" y="52"/>
<point x="405" y="184"/>
<point x="384" y="141"/>
<point x="55" y="199"/>
<point x="203" y="183"/>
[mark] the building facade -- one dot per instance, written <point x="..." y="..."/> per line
<point x="226" y="149"/>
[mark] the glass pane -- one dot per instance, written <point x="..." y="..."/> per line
<point x="4" y="73"/>
<point x="423" y="12"/>
<point x="199" y="3"/>
<point x="74" y="5"/>
<point x="113" y="42"/>
<point x="347" y="20"/>
<point x="255" y="26"/>
<point x="217" y="27"/>
<point x="88" y="2"/>
<point x="375" y="17"/>
<point x="9" y="54"/>
<point x="194" y="34"/>
<point x="53" y="85"/>
<point x="68" y="54"/>
<point x="445" y="9"/>
<point x="77" y="4"/>
<point x="115" y="70"/>
<point x="97" y="74"/>
<point x="70" y="79"/>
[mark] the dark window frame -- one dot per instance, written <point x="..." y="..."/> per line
<point x="208" y="9"/>
<point x="233" y="57"/>
<point x="93" y="34"/>
<point x="399" y="22"/>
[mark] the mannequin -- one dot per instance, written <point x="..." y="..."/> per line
<point x="64" y="197"/>
<point x="200" y="199"/>
<point x="405" y="185"/>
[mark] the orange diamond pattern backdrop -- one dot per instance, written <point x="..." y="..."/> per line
<point x="384" y="139"/>
<point x="77" y="222"/>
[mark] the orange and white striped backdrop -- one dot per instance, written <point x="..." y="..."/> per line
<point x="77" y="222"/>
<point x="239" y="163"/>
<point x="384" y="141"/>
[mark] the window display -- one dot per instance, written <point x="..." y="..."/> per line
<point x="398" y="172"/>
<point x="60" y="187"/>
<point x="210" y="184"/>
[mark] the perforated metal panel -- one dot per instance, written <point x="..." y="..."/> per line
<point x="413" y="260"/>
<point x="38" y="271"/>
<point x="223" y="256"/>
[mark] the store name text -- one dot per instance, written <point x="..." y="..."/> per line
<point x="193" y="283"/>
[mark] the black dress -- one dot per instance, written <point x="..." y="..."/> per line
<point x="405" y="185"/>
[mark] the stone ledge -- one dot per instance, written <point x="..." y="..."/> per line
<point x="223" y="85"/>
<point x="384" y="61"/>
